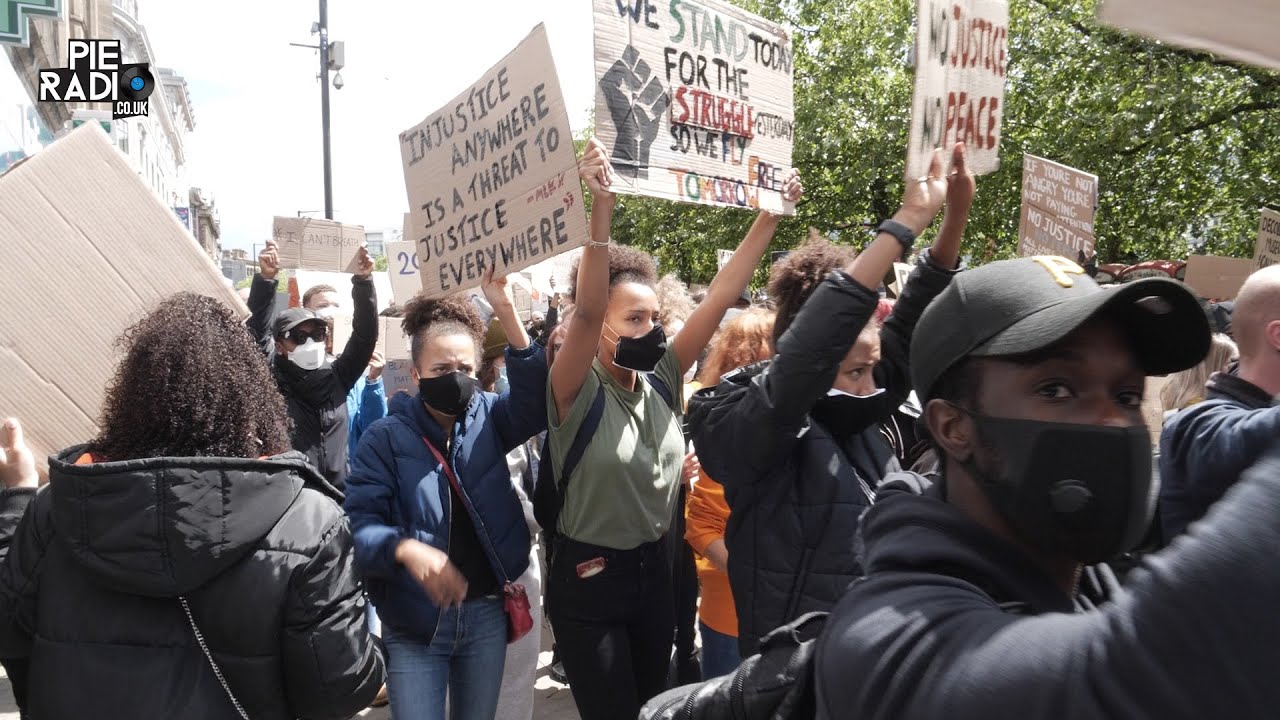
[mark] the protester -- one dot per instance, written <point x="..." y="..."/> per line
<point x="609" y="586"/>
<point x="437" y="543"/>
<point x="1205" y="448"/>
<point x="1032" y="378"/>
<point x="366" y="403"/>
<point x="744" y="341"/>
<point x="179" y="565"/>
<point x="797" y="444"/>
<point x="1183" y="389"/>
<point x="315" y="387"/>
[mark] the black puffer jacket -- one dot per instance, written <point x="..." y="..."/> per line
<point x="89" y="591"/>
<point x="795" y="493"/>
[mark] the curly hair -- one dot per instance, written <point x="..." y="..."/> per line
<point x="795" y="277"/>
<point x="454" y="315"/>
<point x="192" y="384"/>
<point x="746" y="339"/>
<point x="626" y="264"/>
<point x="675" y="304"/>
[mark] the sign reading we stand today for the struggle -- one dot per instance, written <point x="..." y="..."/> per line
<point x="694" y="101"/>
<point x="962" y="52"/>
<point x="492" y="177"/>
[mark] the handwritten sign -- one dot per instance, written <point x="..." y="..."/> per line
<point x="1058" y="208"/>
<point x="723" y="257"/>
<point x="962" y="51"/>
<point x="492" y="177"/>
<point x="312" y="244"/>
<point x="402" y="268"/>
<point x="695" y="101"/>
<point x="1267" y="251"/>
<point x="397" y="377"/>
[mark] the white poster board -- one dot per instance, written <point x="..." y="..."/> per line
<point x="492" y="177"/>
<point x="962" y="52"/>
<point x="694" y="102"/>
<point x="403" y="271"/>
<point x="1243" y="30"/>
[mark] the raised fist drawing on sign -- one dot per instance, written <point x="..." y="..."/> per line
<point x="636" y="100"/>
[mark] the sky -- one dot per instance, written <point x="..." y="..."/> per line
<point x="257" y="143"/>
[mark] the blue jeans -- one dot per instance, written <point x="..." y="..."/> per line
<point x="719" y="653"/>
<point x="465" y="660"/>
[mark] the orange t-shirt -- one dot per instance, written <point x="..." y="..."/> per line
<point x="706" y="514"/>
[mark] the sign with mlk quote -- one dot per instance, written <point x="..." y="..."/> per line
<point x="962" y="51"/>
<point x="492" y="177"/>
<point x="1058" y="208"/>
<point x="694" y="101"/>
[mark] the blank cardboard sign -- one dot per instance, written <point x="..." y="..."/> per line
<point x="1217" y="278"/>
<point x="1243" y="30"/>
<point x="88" y="250"/>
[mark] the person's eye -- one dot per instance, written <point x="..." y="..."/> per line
<point x="1055" y="391"/>
<point x="856" y="373"/>
<point x="1130" y="399"/>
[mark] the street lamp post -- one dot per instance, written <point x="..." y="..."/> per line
<point x="324" y="107"/>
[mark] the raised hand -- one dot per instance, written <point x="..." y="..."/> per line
<point x="497" y="290"/>
<point x="595" y="171"/>
<point x="363" y="263"/>
<point x="376" y="365"/>
<point x="636" y="101"/>
<point x="269" y="261"/>
<point x="923" y="197"/>
<point x="17" y="462"/>
<point x="962" y="186"/>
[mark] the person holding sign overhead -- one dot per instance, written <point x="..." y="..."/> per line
<point x="314" y="385"/>
<point x="614" y="398"/>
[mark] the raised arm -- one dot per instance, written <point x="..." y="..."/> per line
<point x="521" y="412"/>
<point x="262" y="301"/>
<point x="574" y="359"/>
<point x="728" y="284"/>
<point x="355" y="357"/>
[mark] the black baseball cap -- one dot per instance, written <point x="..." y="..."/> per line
<point x="292" y="318"/>
<point x="1015" y="307"/>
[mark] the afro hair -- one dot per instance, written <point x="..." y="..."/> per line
<point x="425" y="319"/>
<point x="795" y="277"/>
<point x="626" y="264"/>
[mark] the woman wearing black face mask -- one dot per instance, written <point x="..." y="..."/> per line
<point x="439" y="531"/>
<point x="609" y="587"/>
<point x="797" y="443"/>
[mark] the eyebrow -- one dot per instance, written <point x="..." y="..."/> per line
<point x="1050" y="354"/>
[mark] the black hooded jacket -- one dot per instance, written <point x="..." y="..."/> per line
<point x="89" y="591"/>
<point x="952" y="622"/>
<point x="795" y="488"/>
<point x="317" y="399"/>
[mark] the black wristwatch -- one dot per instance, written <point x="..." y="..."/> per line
<point x="906" y="236"/>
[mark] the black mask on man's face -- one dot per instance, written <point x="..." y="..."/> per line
<point x="640" y="354"/>
<point x="845" y="415"/>
<point x="1082" y="491"/>
<point x="448" y="394"/>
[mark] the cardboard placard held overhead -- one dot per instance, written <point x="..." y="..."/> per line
<point x="695" y="102"/>
<point x="80" y="230"/>
<point x="492" y="177"/>
<point x="1267" y="250"/>
<point x="1217" y="278"/>
<point x="962" y="51"/>
<point x="311" y="244"/>
<point x="1058" y="208"/>
<point x="403" y="271"/>
<point x="1243" y="30"/>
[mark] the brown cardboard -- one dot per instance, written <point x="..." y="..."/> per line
<point x="1058" y="208"/>
<point x="313" y="244"/>
<point x="88" y="250"/>
<point x="1266" y="251"/>
<point x="1217" y="278"/>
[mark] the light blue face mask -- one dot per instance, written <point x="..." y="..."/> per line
<point x="502" y="385"/>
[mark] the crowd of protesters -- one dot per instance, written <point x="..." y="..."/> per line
<point x="259" y="531"/>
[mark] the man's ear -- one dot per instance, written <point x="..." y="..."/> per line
<point x="1273" y="334"/>
<point x="951" y="429"/>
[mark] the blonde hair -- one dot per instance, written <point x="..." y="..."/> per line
<point x="743" y="341"/>
<point x="1187" y="387"/>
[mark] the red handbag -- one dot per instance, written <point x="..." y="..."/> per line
<point x="515" y="601"/>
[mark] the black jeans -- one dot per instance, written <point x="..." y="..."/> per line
<point x="613" y="629"/>
<point x="685" y="666"/>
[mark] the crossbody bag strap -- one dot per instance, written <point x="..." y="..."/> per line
<point x="217" y="671"/>
<point x="457" y="488"/>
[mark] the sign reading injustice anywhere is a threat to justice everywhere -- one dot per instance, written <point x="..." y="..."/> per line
<point x="694" y="100"/>
<point x="492" y="176"/>
<point x="1058" y="207"/>
<point x="313" y="244"/>
<point x="962" y="51"/>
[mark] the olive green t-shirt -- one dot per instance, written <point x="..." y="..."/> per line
<point x="623" y="492"/>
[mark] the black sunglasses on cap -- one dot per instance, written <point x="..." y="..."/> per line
<point x="300" y="336"/>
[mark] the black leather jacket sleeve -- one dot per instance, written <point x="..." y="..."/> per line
<point x="262" y="314"/>
<point x="355" y="357"/>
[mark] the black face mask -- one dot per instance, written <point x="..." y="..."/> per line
<point x="640" y="354"/>
<point x="449" y="394"/>
<point x="845" y="415"/>
<point x="1083" y="491"/>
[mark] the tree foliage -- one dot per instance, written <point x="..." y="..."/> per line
<point x="1183" y="142"/>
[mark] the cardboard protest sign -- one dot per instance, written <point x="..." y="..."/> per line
<point x="1267" y="250"/>
<point x="695" y="102"/>
<point x="396" y="378"/>
<point x="901" y="271"/>
<point x="1058" y="208"/>
<point x="723" y="257"/>
<point x="1243" y="30"/>
<point x="88" y="251"/>
<point x="492" y="177"/>
<point x="962" y="50"/>
<point x="403" y="271"/>
<point x="1217" y="278"/>
<point x="313" y="244"/>
<point x="392" y="342"/>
